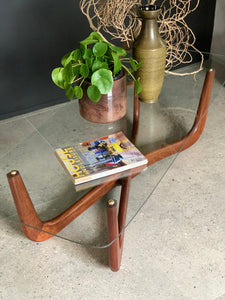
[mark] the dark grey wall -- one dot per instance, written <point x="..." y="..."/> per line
<point x="218" y="41"/>
<point x="201" y="21"/>
<point x="35" y="34"/>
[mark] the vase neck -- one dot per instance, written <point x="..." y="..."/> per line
<point x="150" y="29"/>
<point x="146" y="15"/>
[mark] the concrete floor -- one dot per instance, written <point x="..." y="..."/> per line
<point x="174" y="249"/>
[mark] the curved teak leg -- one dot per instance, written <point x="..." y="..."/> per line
<point x="24" y="206"/>
<point x="136" y="114"/>
<point x="116" y="225"/>
<point x="33" y="227"/>
<point x="113" y="233"/>
<point x="196" y="130"/>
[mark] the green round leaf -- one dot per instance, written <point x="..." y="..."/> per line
<point x="68" y="73"/>
<point x="87" y="53"/>
<point x="117" y="63"/>
<point x="84" y="71"/>
<point x="118" y="50"/>
<point x="93" y="38"/>
<point x="69" y="92"/>
<point x="96" y="36"/>
<point x="82" y="49"/>
<point x="99" y="65"/>
<point x="133" y="64"/>
<point x="76" y="70"/>
<point x="57" y="77"/>
<point x="103" y="80"/>
<point x="138" y="86"/>
<point x="93" y="93"/>
<point x="100" y="49"/>
<point x="76" y="54"/>
<point x="89" y="62"/>
<point x="78" y="92"/>
<point x="66" y="58"/>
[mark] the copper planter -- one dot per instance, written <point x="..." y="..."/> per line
<point x="111" y="107"/>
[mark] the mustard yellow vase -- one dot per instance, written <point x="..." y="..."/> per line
<point x="150" y="49"/>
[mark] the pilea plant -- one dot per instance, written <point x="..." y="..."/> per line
<point x="94" y="66"/>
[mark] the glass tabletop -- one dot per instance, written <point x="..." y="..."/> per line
<point x="28" y="143"/>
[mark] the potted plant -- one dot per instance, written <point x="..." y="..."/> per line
<point x="95" y="74"/>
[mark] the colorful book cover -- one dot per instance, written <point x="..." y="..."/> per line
<point x="100" y="158"/>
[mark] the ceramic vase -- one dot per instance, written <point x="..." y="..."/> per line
<point x="150" y="49"/>
<point x="110" y="108"/>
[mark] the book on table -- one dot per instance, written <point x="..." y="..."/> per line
<point x="99" y="158"/>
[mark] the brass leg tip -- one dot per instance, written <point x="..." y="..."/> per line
<point x="13" y="173"/>
<point x="111" y="203"/>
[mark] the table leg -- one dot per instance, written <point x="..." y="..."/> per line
<point x="38" y="230"/>
<point x="196" y="129"/>
<point x="136" y="114"/>
<point x="113" y="232"/>
<point x="116" y="225"/>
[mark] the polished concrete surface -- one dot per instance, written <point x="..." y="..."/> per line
<point x="174" y="248"/>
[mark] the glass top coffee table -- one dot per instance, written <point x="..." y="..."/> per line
<point x="90" y="216"/>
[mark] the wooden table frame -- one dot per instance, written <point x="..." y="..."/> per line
<point x="38" y="230"/>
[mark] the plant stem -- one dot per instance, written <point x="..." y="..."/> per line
<point x="127" y="59"/>
<point x="129" y="72"/>
<point x="81" y="82"/>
